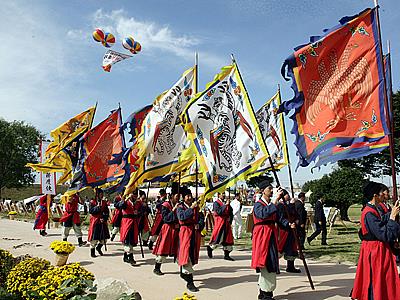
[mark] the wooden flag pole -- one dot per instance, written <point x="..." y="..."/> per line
<point x="197" y="181"/>
<point x="286" y="148"/>
<point x="388" y="119"/>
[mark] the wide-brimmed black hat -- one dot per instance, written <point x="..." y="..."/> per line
<point x="264" y="184"/>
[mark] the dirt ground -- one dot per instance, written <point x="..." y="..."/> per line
<point x="216" y="278"/>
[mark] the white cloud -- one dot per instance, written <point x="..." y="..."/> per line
<point x="34" y="67"/>
<point x="152" y="36"/>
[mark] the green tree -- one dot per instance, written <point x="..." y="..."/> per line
<point x="341" y="188"/>
<point x="18" y="146"/>
<point x="378" y="164"/>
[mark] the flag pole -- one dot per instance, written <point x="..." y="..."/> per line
<point x="286" y="147"/>
<point x="196" y="62"/>
<point x="388" y="120"/>
<point x="389" y="62"/>
<point x="266" y="148"/>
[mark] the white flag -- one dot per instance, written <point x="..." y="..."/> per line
<point x="112" y="57"/>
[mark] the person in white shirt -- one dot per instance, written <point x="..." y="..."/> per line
<point x="237" y="218"/>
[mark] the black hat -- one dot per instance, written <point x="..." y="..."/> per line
<point x="174" y="188"/>
<point x="162" y="192"/>
<point x="371" y="188"/>
<point x="264" y="184"/>
<point x="185" y="191"/>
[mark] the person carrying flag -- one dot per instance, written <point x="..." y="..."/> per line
<point x="42" y="216"/>
<point x="222" y="231"/>
<point x="158" y="219"/>
<point x="191" y="222"/>
<point x="264" y="258"/>
<point x="98" y="228"/>
<point x="377" y="276"/>
<point x="167" y="241"/>
<point x="71" y="219"/>
<point x="129" y="225"/>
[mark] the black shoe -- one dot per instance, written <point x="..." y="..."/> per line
<point x="227" y="257"/>
<point x="81" y="242"/>
<point x="151" y="243"/>
<point x="157" y="269"/>
<point x="65" y="239"/>
<point x="131" y="260"/>
<point x="291" y="268"/>
<point x="265" y="295"/>
<point x="126" y="259"/>
<point x="190" y="285"/>
<point x="112" y="237"/>
<point x="43" y="232"/>
<point x="93" y="252"/>
<point x="98" y="248"/>
<point x="209" y="252"/>
<point x="324" y="244"/>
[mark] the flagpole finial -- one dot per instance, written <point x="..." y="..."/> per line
<point x="233" y="58"/>
<point x="388" y="46"/>
<point x="376" y="3"/>
<point x="196" y="58"/>
<point x="279" y="87"/>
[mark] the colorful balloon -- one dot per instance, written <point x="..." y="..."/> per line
<point x="108" y="40"/>
<point x="98" y="35"/>
<point x="128" y="42"/>
<point x="136" y="48"/>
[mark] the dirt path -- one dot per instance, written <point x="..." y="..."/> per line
<point x="216" y="278"/>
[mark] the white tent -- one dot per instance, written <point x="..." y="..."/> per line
<point x="31" y="199"/>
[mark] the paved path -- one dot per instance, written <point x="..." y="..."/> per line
<point x="216" y="278"/>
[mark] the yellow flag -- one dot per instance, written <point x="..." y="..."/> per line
<point x="64" y="134"/>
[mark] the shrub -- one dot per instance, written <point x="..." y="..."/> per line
<point x="23" y="275"/>
<point x="64" y="282"/>
<point x="6" y="263"/>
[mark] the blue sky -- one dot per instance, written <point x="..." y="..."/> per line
<point x="51" y="67"/>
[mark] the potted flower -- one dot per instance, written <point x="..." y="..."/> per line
<point x="12" y="214"/>
<point x="62" y="250"/>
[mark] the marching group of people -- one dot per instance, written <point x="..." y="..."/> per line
<point x="278" y="231"/>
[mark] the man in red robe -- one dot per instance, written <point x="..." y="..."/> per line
<point x="264" y="256"/>
<point x="167" y="241"/>
<point x="71" y="219"/>
<point x="287" y="245"/>
<point x="158" y="219"/>
<point x="42" y="216"/>
<point x="144" y="225"/>
<point x="191" y="222"/>
<point x="116" y="218"/>
<point x="129" y="225"/>
<point x="377" y="277"/>
<point x="222" y="231"/>
<point x="98" y="228"/>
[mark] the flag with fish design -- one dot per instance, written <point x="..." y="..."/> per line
<point x="339" y="89"/>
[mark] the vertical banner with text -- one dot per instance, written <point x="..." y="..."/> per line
<point x="47" y="180"/>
